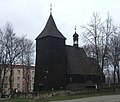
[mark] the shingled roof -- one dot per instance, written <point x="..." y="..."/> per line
<point x="51" y="30"/>
<point x="78" y="63"/>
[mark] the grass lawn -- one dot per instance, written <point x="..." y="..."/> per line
<point x="57" y="98"/>
<point x="16" y="100"/>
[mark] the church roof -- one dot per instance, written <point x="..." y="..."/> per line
<point x="51" y="29"/>
<point x="78" y="63"/>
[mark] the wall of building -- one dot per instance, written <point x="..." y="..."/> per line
<point x="23" y="79"/>
<point x="51" y="66"/>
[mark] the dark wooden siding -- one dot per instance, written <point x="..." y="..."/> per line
<point x="51" y="68"/>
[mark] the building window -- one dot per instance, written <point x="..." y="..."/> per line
<point x="33" y="72"/>
<point x="18" y="78"/>
<point x="6" y="77"/>
<point x="12" y="84"/>
<point x="13" y="78"/>
<point x="5" y="85"/>
<point x="32" y="78"/>
<point x="6" y="70"/>
<point x="18" y="85"/>
<point x="18" y="72"/>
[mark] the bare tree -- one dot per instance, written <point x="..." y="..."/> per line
<point x="11" y="50"/>
<point x="26" y="59"/>
<point x="97" y="35"/>
<point x="1" y="55"/>
<point x="29" y="49"/>
<point x="92" y="34"/>
<point x="114" y="54"/>
<point x="89" y="49"/>
<point x="108" y="29"/>
<point x="3" y="59"/>
<point x="14" y="50"/>
<point x="117" y="36"/>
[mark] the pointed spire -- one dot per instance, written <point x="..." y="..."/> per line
<point x="50" y="9"/>
<point x="51" y="29"/>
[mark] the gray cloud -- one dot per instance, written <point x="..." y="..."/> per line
<point x="30" y="16"/>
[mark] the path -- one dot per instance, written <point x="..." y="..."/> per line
<point x="108" y="98"/>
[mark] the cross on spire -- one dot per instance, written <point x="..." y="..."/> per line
<point x="50" y="9"/>
<point x="75" y="28"/>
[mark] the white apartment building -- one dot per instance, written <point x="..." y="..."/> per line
<point x="23" y="78"/>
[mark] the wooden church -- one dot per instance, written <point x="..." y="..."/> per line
<point x="58" y="65"/>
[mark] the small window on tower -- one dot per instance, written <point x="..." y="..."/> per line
<point x="76" y="42"/>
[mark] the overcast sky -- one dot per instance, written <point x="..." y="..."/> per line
<point x="29" y="17"/>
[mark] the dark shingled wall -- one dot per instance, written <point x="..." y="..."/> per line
<point x="51" y="68"/>
<point x="50" y="71"/>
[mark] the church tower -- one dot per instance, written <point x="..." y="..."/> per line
<point x="51" y="66"/>
<point x="75" y="39"/>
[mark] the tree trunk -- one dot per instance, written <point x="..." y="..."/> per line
<point x="10" y="79"/>
<point x="114" y="77"/>
<point x="3" y="76"/>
